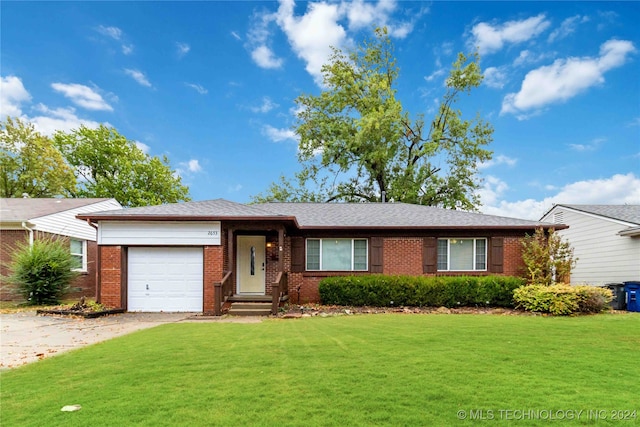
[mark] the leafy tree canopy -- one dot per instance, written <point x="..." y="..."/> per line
<point x="357" y="142"/>
<point x="31" y="164"/>
<point x="109" y="165"/>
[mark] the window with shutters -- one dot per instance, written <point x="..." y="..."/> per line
<point x="337" y="255"/>
<point x="462" y="254"/>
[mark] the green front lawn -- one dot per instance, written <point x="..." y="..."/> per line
<point x="357" y="370"/>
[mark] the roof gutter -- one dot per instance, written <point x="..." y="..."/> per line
<point x="630" y="232"/>
<point x="30" y="230"/>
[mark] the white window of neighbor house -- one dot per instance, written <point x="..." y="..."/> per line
<point x="78" y="250"/>
<point x="462" y="254"/>
<point x="337" y="254"/>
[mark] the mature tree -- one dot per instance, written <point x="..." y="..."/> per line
<point x="109" y="165"/>
<point x="357" y="142"/>
<point x="30" y="163"/>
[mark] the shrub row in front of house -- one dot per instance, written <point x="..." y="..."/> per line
<point x="419" y="291"/>
<point x="562" y="299"/>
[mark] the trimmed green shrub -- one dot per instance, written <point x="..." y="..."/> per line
<point x="419" y="291"/>
<point x="562" y="299"/>
<point x="43" y="272"/>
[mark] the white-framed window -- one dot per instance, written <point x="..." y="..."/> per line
<point x="78" y="250"/>
<point x="462" y="254"/>
<point x="337" y="255"/>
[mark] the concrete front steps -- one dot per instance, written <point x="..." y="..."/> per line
<point x="250" y="305"/>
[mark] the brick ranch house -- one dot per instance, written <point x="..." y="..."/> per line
<point x="196" y="256"/>
<point x="24" y="220"/>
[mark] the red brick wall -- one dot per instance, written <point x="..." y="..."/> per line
<point x="402" y="256"/>
<point x="111" y="276"/>
<point x="513" y="264"/>
<point x="213" y="272"/>
<point x="9" y="242"/>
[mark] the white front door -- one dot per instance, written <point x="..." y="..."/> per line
<point x="251" y="265"/>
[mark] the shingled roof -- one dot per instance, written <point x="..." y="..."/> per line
<point x="627" y="213"/>
<point x="207" y="209"/>
<point x="322" y="215"/>
<point x="25" y="209"/>
<point x="389" y="215"/>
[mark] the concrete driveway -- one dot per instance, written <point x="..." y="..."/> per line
<point x="26" y="337"/>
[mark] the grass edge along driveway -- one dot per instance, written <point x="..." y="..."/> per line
<point x="356" y="370"/>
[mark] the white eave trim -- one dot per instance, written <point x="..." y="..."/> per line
<point x="591" y="215"/>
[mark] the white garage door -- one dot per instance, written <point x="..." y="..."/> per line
<point x="165" y="279"/>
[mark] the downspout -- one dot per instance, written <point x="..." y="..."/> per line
<point x="30" y="230"/>
<point x="98" y="262"/>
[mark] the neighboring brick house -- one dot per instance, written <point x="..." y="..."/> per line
<point x="192" y="256"/>
<point x="23" y="220"/>
<point x="605" y="239"/>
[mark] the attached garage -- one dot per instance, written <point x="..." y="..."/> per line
<point x="165" y="279"/>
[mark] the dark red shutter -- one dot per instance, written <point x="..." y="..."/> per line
<point x="297" y="254"/>
<point x="496" y="255"/>
<point x="430" y="255"/>
<point x="377" y="253"/>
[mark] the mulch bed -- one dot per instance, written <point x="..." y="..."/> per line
<point x="310" y="310"/>
<point x="82" y="309"/>
<point x="80" y="313"/>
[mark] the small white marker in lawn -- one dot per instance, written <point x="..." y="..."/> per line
<point x="71" y="408"/>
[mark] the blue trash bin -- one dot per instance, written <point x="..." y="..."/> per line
<point x="633" y="292"/>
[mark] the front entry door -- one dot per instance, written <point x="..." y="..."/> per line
<point x="251" y="265"/>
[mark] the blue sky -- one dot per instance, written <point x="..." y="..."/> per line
<point x="212" y="84"/>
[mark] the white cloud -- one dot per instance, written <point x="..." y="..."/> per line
<point x="567" y="27"/>
<point x="82" y="96"/>
<point x="492" y="190"/>
<point x="264" y="57"/>
<point x="436" y="74"/>
<point x="591" y="146"/>
<point x="190" y="167"/>
<point x="143" y="147"/>
<point x="266" y="106"/>
<point x="182" y="48"/>
<point x="325" y="19"/>
<point x="116" y="34"/>
<point x="198" y="88"/>
<point x="528" y="57"/>
<point x="127" y="49"/>
<point x="138" y="76"/>
<point x="565" y="78"/>
<point x="495" y="77"/>
<point x="113" y="32"/>
<point x="616" y="190"/>
<point x="46" y="120"/>
<point x="194" y="165"/>
<point x="279" y="135"/>
<point x="302" y="32"/>
<point x="12" y="95"/>
<point x="234" y="188"/>
<point x="498" y="160"/>
<point x="258" y="42"/>
<point x="236" y="35"/>
<point x="62" y="119"/>
<point x="490" y="38"/>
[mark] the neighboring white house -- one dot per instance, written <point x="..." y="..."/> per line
<point x="23" y="220"/>
<point x="605" y="239"/>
